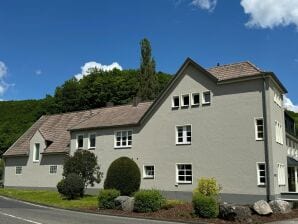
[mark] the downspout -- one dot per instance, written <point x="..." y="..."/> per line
<point x="266" y="143"/>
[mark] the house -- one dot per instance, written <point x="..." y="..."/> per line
<point x="225" y="122"/>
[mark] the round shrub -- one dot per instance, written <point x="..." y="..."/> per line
<point x="123" y="175"/>
<point x="106" y="198"/>
<point x="148" y="201"/>
<point x="205" y="206"/>
<point x="71" y="186"/>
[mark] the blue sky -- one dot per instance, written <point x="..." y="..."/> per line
<point x="44" y="43"/>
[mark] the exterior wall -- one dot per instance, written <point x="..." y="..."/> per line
<point x="223" y="138"/>
<point x="33" y="173"/>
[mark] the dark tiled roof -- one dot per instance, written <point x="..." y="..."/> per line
<point x="236" y="70"/>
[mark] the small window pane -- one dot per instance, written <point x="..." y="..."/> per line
<point x="195" y="99"/>
<point x="37" y="151"/>
<point x="80" y="141"/>
<point x="185" y="100"/>
<point x="149" y="172"/>
<point x="176" y="102"/>
<point x="19" y="169"/>
<point x="207" y="97"/>
<point x="53" y="169"/>
<point x="92" y="140"/>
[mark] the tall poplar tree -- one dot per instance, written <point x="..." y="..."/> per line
<point x="148" y="83"/>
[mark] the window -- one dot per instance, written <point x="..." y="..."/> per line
<point x="53" y="169"/>
<point x="259" y="128"/>
<point x="278" y="133"/>
<point x="80" y="141"/>
<point x="281" y="174"/>
<point x="148" y="172"/>
<point x="278" y="98"/>
<point x="92" y="141"/>
<point x="36" y="152"/>
<point x="175" y="102"/>
<point x="184" y="173"/>
<point x="185" y="100"/>
<point x="123" y="139"/>
<point x="261" y="172"/>
<point x="195" y="99"/>
<point x="19" y="170"/>
<point x="206" y="97"/>
<point x="183" y="135"/>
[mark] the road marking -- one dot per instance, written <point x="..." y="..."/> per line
<point x="16" y="217"/>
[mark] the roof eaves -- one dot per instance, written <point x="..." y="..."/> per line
<point x="106" y="126"/>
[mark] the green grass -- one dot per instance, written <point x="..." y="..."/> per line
<point x="50" y="198"/>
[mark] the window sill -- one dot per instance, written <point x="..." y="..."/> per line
<point x="184" y="106"/>
<point x="175" y="108"/>
<point x="148" y="178"/>
<point x="206" y="104"/>
<point x="183" y="183"/>
<point x="195" y="105"/>
<point x="260" y="139"/>
<point x="91" y="148"/>
<point x="183" y="143"/>
<point x="35" y="161"/>
<point x="122" y="147"/>
<point x="261" y="185"/>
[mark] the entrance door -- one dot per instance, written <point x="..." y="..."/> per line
<point x="292" y="179"/>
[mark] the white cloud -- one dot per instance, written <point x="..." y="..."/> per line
<point x="288" y="104"/>
<point x="85" y="69"/>
<point x="204" y="4"/>
<point x="3" y="71"/>
<point x="38" y="72"/>
<point x="271" y="13"/>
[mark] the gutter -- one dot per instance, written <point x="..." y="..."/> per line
<point x="266" y="143"/>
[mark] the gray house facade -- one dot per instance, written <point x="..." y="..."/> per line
<point x="225" y="122"/>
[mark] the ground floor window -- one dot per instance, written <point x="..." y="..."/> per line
<point x="184" y="173"/>
<point x="53" y="169"/>
<point x="261" y="172"/>
<point x="19" y="170"/>
<point x="148" y="172"/>
<point x="281" y="174"/>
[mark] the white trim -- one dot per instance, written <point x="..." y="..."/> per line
<point x="50" y="169"/>
<point x="256" y="128"/>
<point x="182" y="100"/>
<point x="203" y="98"/>
<point x="173" y="104"/>
<point x="192" y="99"/>
<point x="34" y="153"/>
<point x="16" y="170"/>
<point x="122" y="146"/>
<point x="144" y="173"/>
<point x="89" y="134"/>
<point x="177" y="179"/>
<point x="184" y="134"/>
<point x="279" y="138"/>
<point x="77" y="143"/>
<point x="281" y="174"/>
<point x="258" y="173"/>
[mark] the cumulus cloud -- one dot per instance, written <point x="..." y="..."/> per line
<point x="87" y="67"/>
<point x="38" y="72"/>
<point x="3" y="71"/>
<point x="288" y="104"/>
<point x="204" y="4"/>
<point x="271" y="13"/>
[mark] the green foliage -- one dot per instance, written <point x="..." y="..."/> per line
<point x="208" y="187"/>
<point x="205" y="206"/>
<point x="72" y="186"/>
<point x="1" y="169"/>
<point x="106" y="198"/>
<point x="171" y="204"/>
<point x="148" y="201"/>
<point x="123" y="175"/>
<point x="83" y="163"/>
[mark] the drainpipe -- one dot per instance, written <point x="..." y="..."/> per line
<point x="266" y="143"/>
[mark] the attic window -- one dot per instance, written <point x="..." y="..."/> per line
<point x="185" y="100"/>
<point x="206" y="98"/>
<point x="195" y="99"/>
<point x="175" y="102"/>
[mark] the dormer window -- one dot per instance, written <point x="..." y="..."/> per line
<point x="185" y="100"/>
<point x="80" y="141"/>
<point x="195" y="99"/>
<point x="36" y="152"/>
<point x="92" y="141"/>
<point x="206" y="98"/>
<point x="175" y="102"/>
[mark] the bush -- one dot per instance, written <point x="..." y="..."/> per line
<point x="205" y="206"/>
<point x="106" y="198"/>
<point x="208" y="187"/>
<point x="71" y="186"/>
<point x="123" y="175"/>
<point x="148" y="201"/>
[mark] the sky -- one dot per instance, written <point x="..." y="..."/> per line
<point x="44" y="43"/>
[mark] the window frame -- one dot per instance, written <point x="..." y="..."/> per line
<point x="34" y="153"/>
<point x="177" y="173"/>
<point x="192" y="99"/>
<point x="121" y="145"/>
<point x="89" y="142"/>
<point x="203" y="98"/>
<point x="77" y="141"/>
<point x="256" y="129"/>
<point x="258" y="173"/>
<point x="173" y="101"/>
<point x="279" y="138"/>
<point x="20" y="169"/>
<point x="281" y="174"/>
<point x="182" y="100"/>
<point x="50" y="169"/>
<point x="145" y="176"/>
<point x="184" y="137"/>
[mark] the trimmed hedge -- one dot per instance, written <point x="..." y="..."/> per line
<point x="123" y="175"/>
<point x="72" y="186"/>
<point x="148" y="201"/>
<point x="106" y="198"/>
<point x="205" y="206"/>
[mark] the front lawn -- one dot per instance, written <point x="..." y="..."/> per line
<point x="51" y="198"/>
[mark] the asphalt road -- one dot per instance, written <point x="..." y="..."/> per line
<point x="16" y="212"/>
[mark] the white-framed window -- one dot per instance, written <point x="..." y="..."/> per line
<point x="183" y="173"/>
<point x="91" y="141"/>
<point x="123" y="139"/>
<point x="281" y="174"/>
<point x="19" y="170"/>
<point x="195" y="99"/>
<point x="183" y="135"/>
<point x="53" y="169"/>
<point x="259" y="128"/>
<point x="36" y="152"/>
<point x="185" y="100"/>
<point x="175" y="102"/>
<point x="261" y="173"/>
<point x="148" y="171"/>
<point x="278" y="133"/>
<point x="206" y="98"/>
<point x="80" y="141"/>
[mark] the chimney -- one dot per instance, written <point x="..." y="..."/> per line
<point x="136" y="100"/>
<point x="109" y="104"/>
